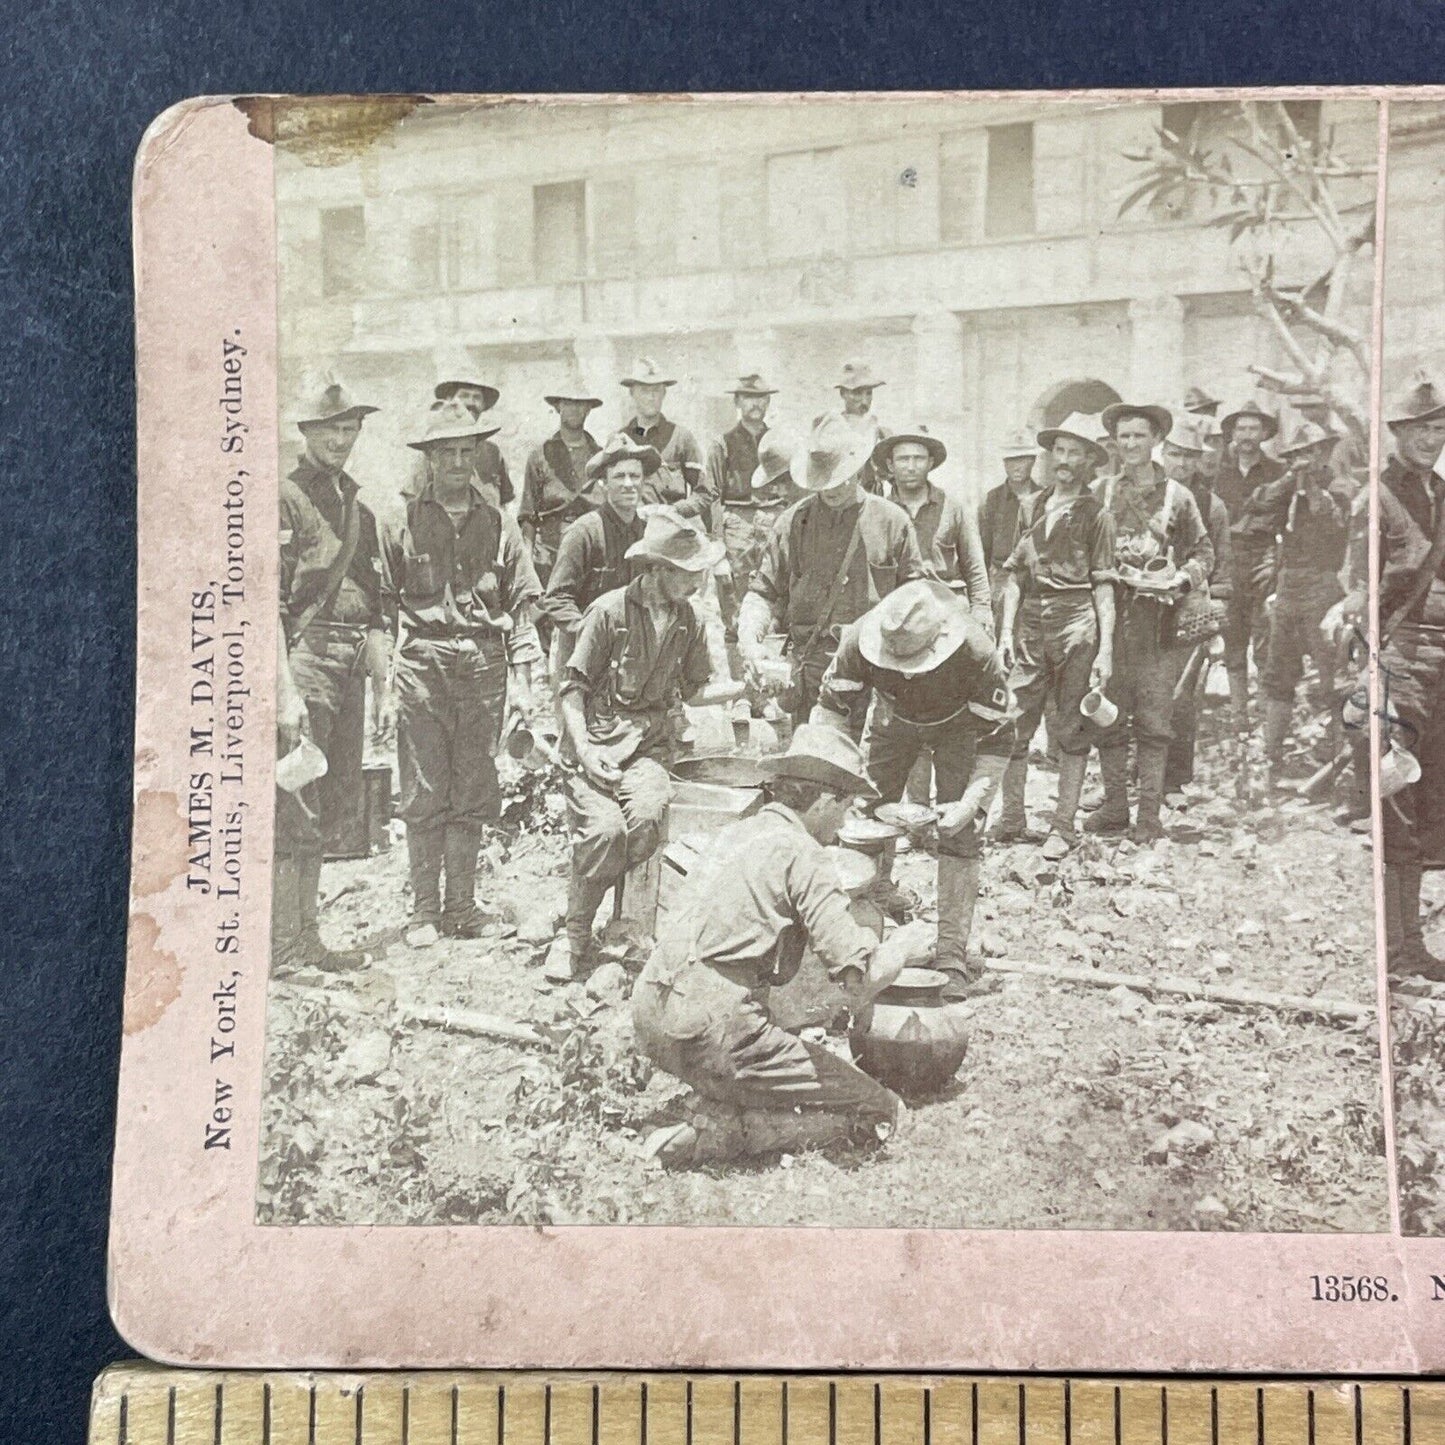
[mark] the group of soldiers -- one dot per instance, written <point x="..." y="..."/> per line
<point x="921" y="642"/>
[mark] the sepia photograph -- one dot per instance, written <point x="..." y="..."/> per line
<point x="820" y="665"/>
<point x="1410" y="761"/>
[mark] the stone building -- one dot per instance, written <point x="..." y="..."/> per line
<point x="971" y="250"/>
<point x="1414" y="304"/>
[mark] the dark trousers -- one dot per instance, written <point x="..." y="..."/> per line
<point x="450" y="696"/>
<point x="1246" y="623"/>
<point x="1054" y="660"/>
<point x="1145" y="673"/>
<point x="712" y="1034"/>
<point x="1301" y="601"/>
<point x="1412" y="669"/>
<point x="892" y="746"/>
<point x="328" y="666"/>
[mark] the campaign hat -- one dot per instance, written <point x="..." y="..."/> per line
<point x="670" y="537"/>
<point x="915" y="628"/>
<point x="1159" y="417"/>
<point x="325" y="399"/>
<point x="1083" y="428"/>
<point x="833" y="454"/>
<point x="620" y="449"/>
<point x="1250" y="408"/>
<point x="451" y="421"/>
<point x="818" y="753"/>
<point x="883" y="452"/>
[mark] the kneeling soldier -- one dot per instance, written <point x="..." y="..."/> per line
<point x="638" y="649"/>
<point x="935" y="682"/>
<point x="764" y="891"/>
<point x="458" y="577"/>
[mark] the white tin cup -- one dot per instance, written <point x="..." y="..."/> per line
<point x="1399" y="768"/>
<point x="1098" y="709"/>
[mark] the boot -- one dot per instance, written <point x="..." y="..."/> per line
<point x="1063" y="835"/>
<point x="1013" y="823"/>
<point x="1239" y="698"/>
<point x="1278" y="715"/>
<point x="1112" y="816"/>
<point x="1411" y="956"/>
<point x="712" y="1134"/>
<point x="308" y="902"/>
<point x="287" y="954"/>
<point x="957" y="899"/>
<point x="425" y="851"/>
<point x="896" y="902"/>
<point x="1152" y="760"/>
<point x="461" y="918"/>
<point x="584" y="895"/>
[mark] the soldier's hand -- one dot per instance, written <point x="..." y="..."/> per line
<point x="520" y="697"/>
<point x="601" y="771"/>
<point x="1005" y="652"/>
<point x="1100" y="673"/>
<point x="384" y="724"/>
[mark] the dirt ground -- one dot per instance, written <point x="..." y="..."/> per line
<point x="1077" y="1106"/>
<point x="1417" y="1046"/>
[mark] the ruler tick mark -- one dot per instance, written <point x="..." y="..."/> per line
<point x="1023" y="1415"/>
<point x="1213" y="1415"/>
<point x="1359" y="1417"/>
<point x="643" y="1416"/>
<point x="171" y="1416"/>
<point x="546" y="1414"/>
<point x="596" y="1414"/>
<point x="456" y="1411"/>
<point x="406" y="1414"/>
<point x="1163" y="1415"/>
<point x="785" y="1416"/>
<point x="832" y="1413"/>
<point x="360" y="1409"/>
<point x="123" y="1435"/>
<point x="1310" y="1416"/>
<point x="877" y="1414"/>
<point x="927" y="1416"/>
<point x="688" y="1430"/>
<point x="220" y="1413"/>
<point x="1118" y="1416"/>
<point x="311" y="1415"/>
<point x="1259" y="1415"/>
<point x="266" y="1412"/>
<point x="1068" y="1413"/>
<point x="973" y="1411"/>
<point x="1406" y="1424"/>
<point x="737" y="1412"/>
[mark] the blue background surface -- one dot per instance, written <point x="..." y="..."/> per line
<point x="79" y="87"/>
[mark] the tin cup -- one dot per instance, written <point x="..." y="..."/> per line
<point x="1399" y="768"/>
<point x="1098" y="709"/>
<point x="301" y="766"/>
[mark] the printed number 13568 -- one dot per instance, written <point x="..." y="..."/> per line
<point x="1351" y="1288"/>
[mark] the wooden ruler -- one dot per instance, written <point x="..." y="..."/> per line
<point x="147" y="1405"/>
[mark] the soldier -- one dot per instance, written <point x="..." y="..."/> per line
<point x="1243" y="483"/>
<point x="998" y="517"/>
<point x="1188" y="458"/>
<point x="592" y="555"/>
<point x="459" y="586"/>
<point x="855" y="387"/>
<point x="947" y="533"/>
<point x="1412" y="662"/>
<point x="1311" y="553"/>
<point x="1161" y="554"/>
<point x="459" y="384"/>
<point x="679" y="480"/>
<point x="765" y="890"/>
<point x="1056" y="624"/>
<point x="555" y="488"/>
<point x="831" y="556"/>
<point x="743" y="514"/>
<point x="639" y="648"/>
<point x="334" y="637"/>
<point x="938" y="684"/>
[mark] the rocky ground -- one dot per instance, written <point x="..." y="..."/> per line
<point x="1078" y="1106"/>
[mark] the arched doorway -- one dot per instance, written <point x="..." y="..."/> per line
<point x="1084" y="394"/>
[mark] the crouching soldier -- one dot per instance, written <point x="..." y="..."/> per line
<point x="458" y="583"/>
<point x="929" y="667"/>
<point x="764" y="892"/>
<point x="639" y="648"/>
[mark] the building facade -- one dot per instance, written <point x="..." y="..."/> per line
<point x="972" y="251"/>
<point x="1414" y="302"/>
